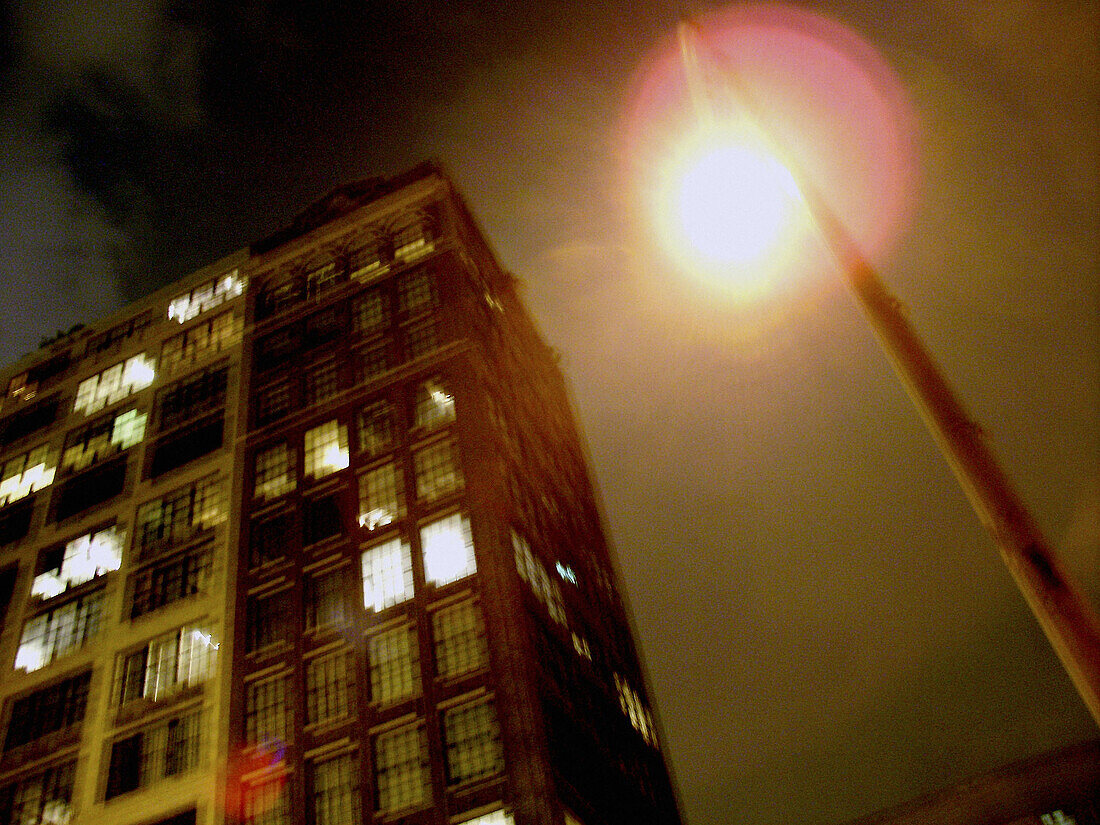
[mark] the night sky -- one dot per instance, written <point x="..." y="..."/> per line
<point x="827" y="628"/>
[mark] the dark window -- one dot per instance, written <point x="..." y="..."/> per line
<point x="90" y="489"/>
<point x="277" y="347"/>
<point x="421" y="338"/>
<point x="268" y="540"/>
<point x="194" y="395"/>
<point x="181" y="448"/>
<point x="7" y="587"/>
<point x="373" y="361"/>
<point x="182" y="818"/>
<point x="267" y="620"/>
<point x="325" y="600"/>
<point x="113" y="338"/>
<point x="15" y="520"/>
<point x="322" y="382"/>
<point x="180" y="516"/>
<point x="322" y="519"/>
<point x="273" y="402"/>
<point x="324" y="326"/>
<point x="376" y="428"/>
<point x="124" y="773"/>
<point x="371" y="312"/>
<point x="30" y="420"/>
<point x="170" y="581"/>
<point x="416" y="292"/>
<point x="47" y="710"/>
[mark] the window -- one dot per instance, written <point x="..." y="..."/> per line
<point x="387" y="575"/>
<point x="322" y="382"/>
<point x="268" y="540"/>
<point x="24" y="474"/>
<point x="471" y="737"/>
<point x="15" y="521"/>
<point x="205" y="297"/>
<point x="335" y="791"/>
<point x="459" y="634"/>
<point x="90" y="489"/>
<point x="376" y="432"/>
<point x="63" y="629"/>
<point x="421" y="338"/>
<point x="501" y="818"/>
<point x="437" y="470"/>
<point x="102" y="439"/>
<point x="394" y="664"/>
<point x="415" y="292"/>
<point x="264" y="802"/>
<point x="324" y="326"/>
<point x="78" y="561"/>
<point x="273" y="402"/>
<point x="330" y="687"/>
<point x="434" y="405"/>
<point x="162" y="584"/>
<point x="448" y="549"/>
<point x="381" y="496"/>
<point x="370" y="312"/>
<point x="166" y="748"/>
<point x="113" y="338"/>
<point x="323" y="519"/>
<point x="325" y="600"/>
<point x="42" y="798"/>
<point x="635" y="710"/>
<point x="267" y="717"/>
<point x="114" y="384"/>
<point x="274" y="349"/>
<point x="373" y="362"/>
<point x="47" y="710"/>
<point x="268" y="620"/>
<point x="167" y="664"/>
<point x="412" y="242"/>
<point x="207" y="338"/>
<point x="180" y="516"/>
<point x="321" y="280"/>
<point x="187" y="445"/>
<point x="401" y="769"/>
<point x="196" y="394"/>
<point x="274" y="471"/>
<point x="29" y="420"/>
<point x="531" y="570"/>
<point x="326" y="449"/>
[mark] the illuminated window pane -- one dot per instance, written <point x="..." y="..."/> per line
<point x="43" y="797"/>
<point x="416" y="292"/>
<point x="205" y="296"/>
<point x="437" y="471"/>
<point x="267" y="716"/>
<point x="113" y="384"/>
<point x="265" y="802"/>
<point x="370" y="312"/>
<point x="387" y="575"/>
<point x="101" y="439"/>
<point x="502" y="818"/>
<point x="330" y="687"/>
<point x="459" y="634"/>
<point x="26" y="473"/>
<point x="326" y="449"/>
<point x="78" y="561"/>
<point x="381" y="496"/>
<point x="471" y="735"/>
<point x="448" y="549"/>
<point x="401" y="768"/>
<point x="168" y="664"/>
<point x="180" y="515"/>
<point x="413" y="242"/>
<point x="394" y="664"/>
<point x="434" y="405"/>
<point x="335" y="791"/>
<point x="274" y="471"/>
<point x="66" y="628"/>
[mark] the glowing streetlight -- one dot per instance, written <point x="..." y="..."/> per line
<point x="727" y="178"/>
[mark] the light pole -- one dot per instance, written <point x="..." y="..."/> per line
<point x="1069" y="622"/>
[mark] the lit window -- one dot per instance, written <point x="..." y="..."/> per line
<point x="78" y="561"/>
<point x="264" y="801"/>
<point x="325" y="600"/>
<point x="207" y="338"/>
<point x="206" y="296"/>
<point x="434" y="405"/>
<point x="1057" y="818"/>
<point x="448" y="549"/>
<point x="26" y="473"/>
<point x="274" y="471"/>
<point x="321" y="280"/>
<point x="330" y="687"/>
<point x="387" y="575"/>
<point x="394" y="664"/>
<point x="495" y="818"/>
<point x="335" y="791"/>
<point x="437" y="471"/>
<point x="371" y="262"/>
<point x="370" y="312"/>
<point x="168" y="664"/>
<point x="61" y="630"/>
<point x="401" y="769"/>
<point x="471" y="736"/>
<point x="114" y="384"/>
<point x="44" y="797"/>
<point x="381" y="496"/>
<point x="102" y="439"/>
<point x="326" y="449"/>
<point x="166" y="748"/>
<point x="459" y="634"/>
<point x="635" y="710"/>
<point x="162" y="584"/>
<point x="580" y="645"/>
<point x="531" y="570"/>
<point x="413" y="242"/>
<point x="376" y="428"/>
<point x="267" y="717"/>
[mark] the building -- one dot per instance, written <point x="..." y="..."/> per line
<point x="308" y="537"/>
<point x="1057" y="788"/>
